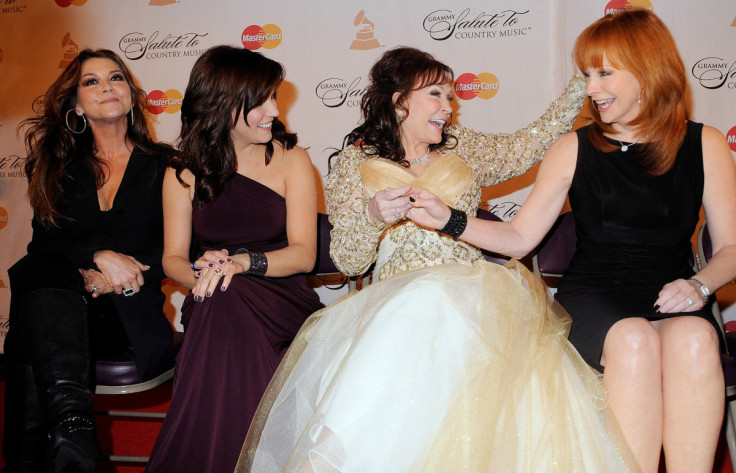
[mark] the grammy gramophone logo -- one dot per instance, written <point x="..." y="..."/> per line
<point x="70" y="51"/>
<point x="364" y="37"/>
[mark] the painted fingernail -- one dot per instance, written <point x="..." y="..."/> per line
<point x="411" y="199"/>
<point x="197" y="298"/>
<point x="656" y="307"/>
<point x="222" y="262"/>
<point x="210" y="264"/>
<point x="229" y="260"/>
<point x="209" y="294"/>
<point x="223" y="288"/>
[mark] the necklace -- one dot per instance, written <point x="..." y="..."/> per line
<point x="625" y="146"/>
<point x="420" y="160"/>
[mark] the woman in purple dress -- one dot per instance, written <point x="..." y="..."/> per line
<point x="250" y="197"/>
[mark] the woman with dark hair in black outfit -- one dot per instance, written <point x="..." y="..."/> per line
<point x="91" y="280"/>
<point x="249" y="193"/>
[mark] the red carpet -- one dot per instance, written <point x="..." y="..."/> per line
<point x="136" y="437"/>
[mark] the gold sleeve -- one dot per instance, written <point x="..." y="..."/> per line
<point x="498" y="157"/>
<point x="355" y="235"/>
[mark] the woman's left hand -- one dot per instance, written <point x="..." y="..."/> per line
<point x="680" y="295"/>
<point x="427" y="209"/>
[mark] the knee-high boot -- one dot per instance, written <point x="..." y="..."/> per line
<point x="57" y="325"/>
<point x="24" y="438"/>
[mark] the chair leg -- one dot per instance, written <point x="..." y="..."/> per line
<point x="731" y="431"/>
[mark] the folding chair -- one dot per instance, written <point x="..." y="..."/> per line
<point x="117" y="374"/>
<point x="705" y="252"/>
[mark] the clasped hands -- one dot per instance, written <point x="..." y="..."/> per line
<point x="419" y="205"/>
<point x="213" y="266"/>
<point x="117" y="273"/>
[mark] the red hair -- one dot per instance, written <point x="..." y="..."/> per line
<point x="636" y="40"/>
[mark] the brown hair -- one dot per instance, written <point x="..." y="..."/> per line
<point x="224" y="79"/>
<point x="401" y="70"/>
<point x="52" y="146"/>
<point x="636" y="40"/>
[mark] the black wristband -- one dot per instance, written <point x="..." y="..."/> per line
<point x="258" y="262"/>
<point x="455" y="226"/>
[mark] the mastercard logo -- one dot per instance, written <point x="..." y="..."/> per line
<point x="731" y="138"/>
<point x="159" y="102"/>
<point x="66" y="3"/>
<point x="266" y="36"/>
<point x="3" y="217"/>
<point x="615" y="5"/>
<point x="469" y="86"/>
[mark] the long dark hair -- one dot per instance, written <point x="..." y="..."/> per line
<point x="224" y="79"/>
<point x="52" y="146"/>
<point x="401" y="70"/>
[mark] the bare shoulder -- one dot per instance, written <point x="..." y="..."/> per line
<point x="563" y="150"/>
<point x="186" y="177"/>
<point x="712" y="136"/>
<point x="715" y="147"/>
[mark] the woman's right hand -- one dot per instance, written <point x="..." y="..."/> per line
<point x="390" y="205"/>
<point x="213" y="267"/>
<point x="121" y="271"/>
<point x="95" y="283"/>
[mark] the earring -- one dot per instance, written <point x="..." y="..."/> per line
<point x="66" y="119"/>
<point x="400" y="113"/>
<point x="131" y="114"/>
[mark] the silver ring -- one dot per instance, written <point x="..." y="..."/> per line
<point x="689" y="301"/>
<point x="95" y="289"/>
<point x="129" y="292"/>
<point x="397" y="215"/>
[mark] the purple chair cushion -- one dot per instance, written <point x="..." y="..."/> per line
<point x="557" y="248"/>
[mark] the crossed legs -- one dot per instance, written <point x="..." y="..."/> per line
<point x="667" y="390"/>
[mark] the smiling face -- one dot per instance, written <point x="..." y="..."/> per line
<point x="615" y="94"/>
<point x="259" y="120"/>
<point x="428" y="111"/>
<point x="103" y="94"/>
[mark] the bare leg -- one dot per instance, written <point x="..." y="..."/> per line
<point x="693" y="393"/>
<point x="633" y="378"/>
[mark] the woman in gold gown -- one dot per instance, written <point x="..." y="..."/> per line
<point x="448" y="362"/>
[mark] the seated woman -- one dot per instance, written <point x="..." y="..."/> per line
<point x="92" y="277"/>
<point x="636" y="177"/>
<point x="448" y="362"/>
<point x="249" y="193"/>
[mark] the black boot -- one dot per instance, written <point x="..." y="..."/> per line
<point x="25" y="436"/>
<point x="57" y="325"/>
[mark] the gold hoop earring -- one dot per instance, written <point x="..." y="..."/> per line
<point x="66" y="119"/>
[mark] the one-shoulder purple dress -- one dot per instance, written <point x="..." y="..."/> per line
<point x="235" y="339"/>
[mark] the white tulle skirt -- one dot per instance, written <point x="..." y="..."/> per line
<point x="452" y="368"/>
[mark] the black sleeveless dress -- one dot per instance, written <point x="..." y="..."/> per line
<point x="633" y="237"/>
<point x="235" y="339"/>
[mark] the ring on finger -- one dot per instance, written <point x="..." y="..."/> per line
<point x="95" y="289"/>
<point x="129" y="292"/>
<point x="218" y="272"/>
<point x="689" y="301"/>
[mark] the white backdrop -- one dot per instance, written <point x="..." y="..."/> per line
<point x="519" y="50"/>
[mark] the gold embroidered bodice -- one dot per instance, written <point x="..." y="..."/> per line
<point x="457" y="177"/>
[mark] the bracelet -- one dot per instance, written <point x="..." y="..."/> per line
<point x="703" y="289"/>
<point x="455" y="226"/>
<point x="258" y="262"/>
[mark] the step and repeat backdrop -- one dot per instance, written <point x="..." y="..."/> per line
<point x="511" y="58"/>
